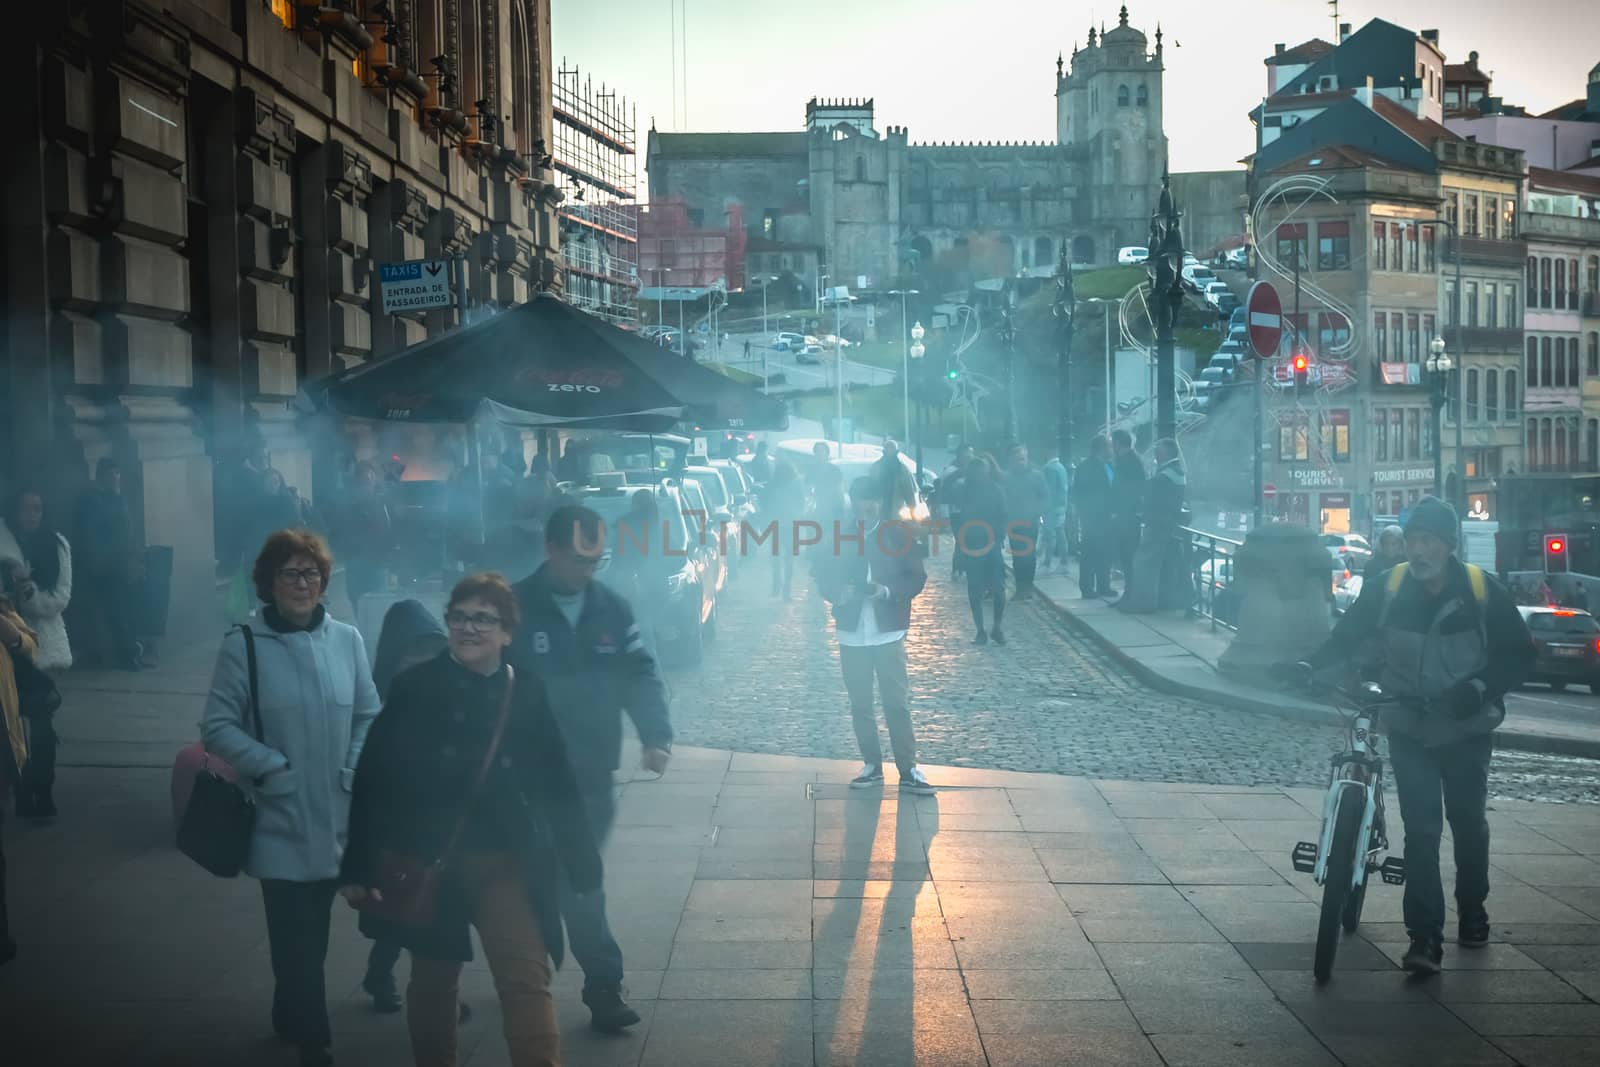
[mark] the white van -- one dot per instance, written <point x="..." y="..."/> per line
<point x="1132" y="254"/>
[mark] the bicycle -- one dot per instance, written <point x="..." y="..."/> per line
<point x="1352" y="813"/>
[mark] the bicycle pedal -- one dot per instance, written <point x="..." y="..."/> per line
<point x="1393" y="870"/>
<point x="1304" y="857"/>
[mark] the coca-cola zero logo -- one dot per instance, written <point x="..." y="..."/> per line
<point x="576" y="380"/>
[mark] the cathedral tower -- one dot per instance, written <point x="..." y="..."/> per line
<point x="1110" y="104"/>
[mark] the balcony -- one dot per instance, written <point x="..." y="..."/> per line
<point x="1486" y="251"/>
<point x="1496" y="340"/>
<point x="1561" y="228"/>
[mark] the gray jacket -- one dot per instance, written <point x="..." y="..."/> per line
<point x="317" y="702"/>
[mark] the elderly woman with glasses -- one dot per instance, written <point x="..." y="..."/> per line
<point x="314" y="691"/>
<point x="466" y="774"/>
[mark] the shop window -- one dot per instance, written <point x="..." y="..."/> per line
<point x="1336" y="436"/>
<point x="1294" y="440"/>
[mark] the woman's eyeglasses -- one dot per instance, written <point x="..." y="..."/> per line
<point x="311" y="578"/>
<point x="478" y="621"/>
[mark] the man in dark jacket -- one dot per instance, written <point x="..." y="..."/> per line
<point x="1027" y="499"/>
<point x="581" y="639"/>
<point x="1127" y="503"/>
<point x="1451" y="645"/>
<point x="870" y="577"/>
<point x="1092" y="502"/>
<point x="108" y="564"/>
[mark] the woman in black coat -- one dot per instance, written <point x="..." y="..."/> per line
<point x="525" y="829"/>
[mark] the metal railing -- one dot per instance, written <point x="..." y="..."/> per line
<point x="1211" y="559"/>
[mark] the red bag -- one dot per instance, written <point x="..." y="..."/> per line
<point x="192" y="759"/>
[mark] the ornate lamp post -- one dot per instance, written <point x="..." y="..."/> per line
<point x="1439" y="365"/>
<point x="1165" y="266"/>
<point x="916" y="352"/>
<point x="1063" y="309"/>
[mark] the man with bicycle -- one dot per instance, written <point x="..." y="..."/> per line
<point x="1449" y="644"/>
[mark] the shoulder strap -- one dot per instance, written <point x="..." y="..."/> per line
<point x="1391" y="586"/>
<point x="255" y="691"/>
<point x="482" y="777"/>
<point x="1480" y="587"/>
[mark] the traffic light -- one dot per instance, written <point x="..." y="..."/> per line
<point x="1301" y="370"/>
<point x="953" y="373"/>
<point x="1555" y="553"/>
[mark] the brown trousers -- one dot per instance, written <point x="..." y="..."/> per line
<point x="514" y="947"/>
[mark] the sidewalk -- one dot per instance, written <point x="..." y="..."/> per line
<point x="772" y="916"/>
<point x="1179" y="655"/>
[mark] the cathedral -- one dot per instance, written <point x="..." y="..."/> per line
<point x="876" y="207"/>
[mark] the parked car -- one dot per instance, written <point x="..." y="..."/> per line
<point x="1229" y="362"/>
<point x="1230" y="348"/>
<point x="1567" y="647"/>
<point x="722" y="522"/>
<point x="1225" y="303"/>
<point x="1216" y="376"/>
<point x="1189" y="259"/>
<point x="1237" y="317"/>
<point x="1241" y="334"/>
<point x="673" y="577"/>
<point x="1132" y="254"/>
<point x="1197" y="277"/>
<point x="1348" y="541"/>
<point x="812" y="354"/>
<point x="1237" y="258"/>
<point x="741" y="484"/>
<point x="1213" y="290"/>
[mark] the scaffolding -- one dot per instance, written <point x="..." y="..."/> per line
<point x="595" y="154"/>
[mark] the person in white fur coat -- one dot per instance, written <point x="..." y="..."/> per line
<point x="44" y="588"/>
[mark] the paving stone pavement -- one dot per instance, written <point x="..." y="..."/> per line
<point x="773" y="917"/>
<point x="1049" y="701"/>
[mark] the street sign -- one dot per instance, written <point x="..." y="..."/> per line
<point x="415" y="285"/>
<point x="1269" y="492"/>
<point x="1263" y="314"/>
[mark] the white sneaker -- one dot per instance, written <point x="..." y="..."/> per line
<point x="917" y="782"/>
<point x="871" y="774"/>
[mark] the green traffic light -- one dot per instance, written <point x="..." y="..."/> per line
<point x="952" y="374"/>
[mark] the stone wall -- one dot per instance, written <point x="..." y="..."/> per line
<point x="709" y="185"/>
<point x="1213" y="203"/>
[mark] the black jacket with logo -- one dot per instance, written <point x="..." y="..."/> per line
<point x="591" y="675"/>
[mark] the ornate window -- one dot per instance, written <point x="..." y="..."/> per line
<point x="1142" y="97"/>
<point x="1122" y="96"/>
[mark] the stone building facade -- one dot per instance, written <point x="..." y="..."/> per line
<point x="879" y="206"/>
<point x="198" y="198"/>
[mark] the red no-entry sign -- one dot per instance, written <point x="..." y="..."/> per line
<point x="1263" y="314"/>
<point x="1269" y="492"/>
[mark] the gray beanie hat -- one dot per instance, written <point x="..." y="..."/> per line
<point x="1433" y="516"/>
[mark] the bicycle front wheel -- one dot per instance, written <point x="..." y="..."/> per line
<point x="1340" y="872"/>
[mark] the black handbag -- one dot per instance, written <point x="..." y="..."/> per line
<point x="217" y="824"/>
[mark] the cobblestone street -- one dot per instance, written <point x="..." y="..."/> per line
<point x="1047" y="701"/>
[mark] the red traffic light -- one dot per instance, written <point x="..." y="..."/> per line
<point x="1299" y="363"/>
<point x="1555" y="546"/>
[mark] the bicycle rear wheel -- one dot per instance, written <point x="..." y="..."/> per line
<point x="1340" y="871"/>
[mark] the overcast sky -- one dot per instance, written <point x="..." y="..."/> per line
<point x="960" y="70"/>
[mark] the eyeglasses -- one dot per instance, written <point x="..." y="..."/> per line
<point x="310" y="578"/>
<point x="478" y="621"/>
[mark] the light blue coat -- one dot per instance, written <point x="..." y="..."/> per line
<point x="317" y="703"/>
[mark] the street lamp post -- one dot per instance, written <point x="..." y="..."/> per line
<point x="1455" y="322"/>
<point x="916" y="352"/>
<point x="1165" y="266"/>
<point x="1064" y="309"/>
<point x="905" y="361"/>
<point x="1439" y="365"/>
<point x="838" y="371"/>
<point x="1008" y="337"/>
